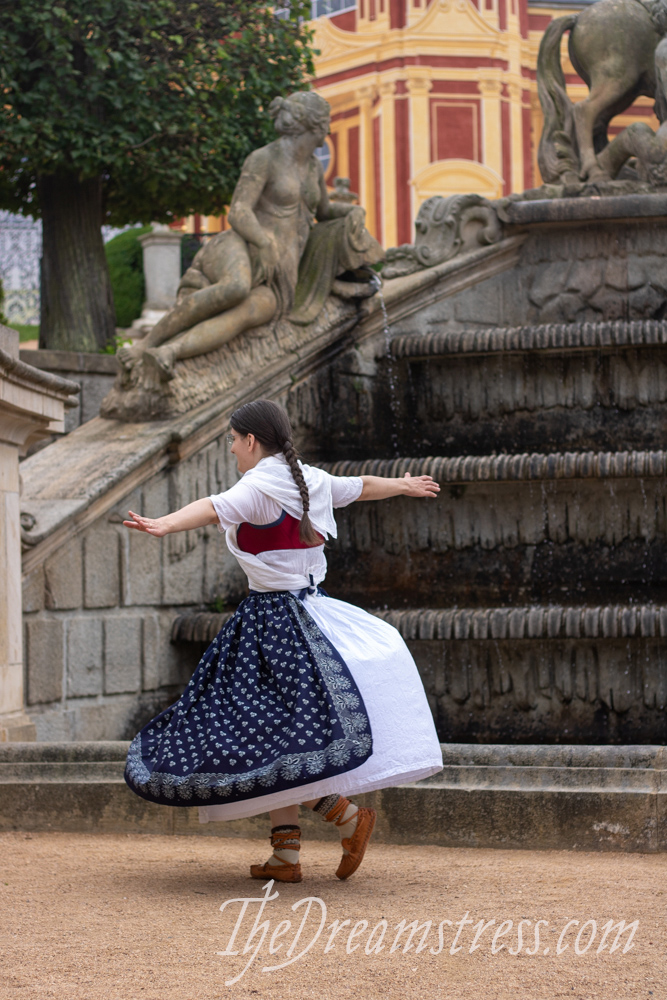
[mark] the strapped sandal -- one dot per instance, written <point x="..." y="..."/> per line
<point x="354" y="847"/>
<point x="284" y="871"/>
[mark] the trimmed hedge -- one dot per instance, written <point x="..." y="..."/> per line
<point x="126" y="269"/>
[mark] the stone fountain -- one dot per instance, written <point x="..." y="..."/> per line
<point x="517" y="353"/>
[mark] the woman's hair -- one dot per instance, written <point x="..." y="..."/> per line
<point x="304" y="111"/>
<point x="271" y="426"/>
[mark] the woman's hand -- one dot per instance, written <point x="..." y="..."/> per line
<point x="421" y="486"/>
<point x="269" y="257"/>
<point x="197" y="514"/>
<point x="382" y="487"/>
<point x="158" y="526"/>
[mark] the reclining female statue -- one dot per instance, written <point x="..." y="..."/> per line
<point x="273" y="262"/>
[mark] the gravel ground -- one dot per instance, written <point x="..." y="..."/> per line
<point x="119" y="917"/>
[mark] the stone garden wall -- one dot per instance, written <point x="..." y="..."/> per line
<point x="98" y="612"/>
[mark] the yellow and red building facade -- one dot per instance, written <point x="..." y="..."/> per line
<point x="435" y="97"/>
<point x="432" y="97"/>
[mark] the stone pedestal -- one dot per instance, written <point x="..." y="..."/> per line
<point x="162" y="273"/>
<point x="32" y="405"/>
<point x="94" y="373"/>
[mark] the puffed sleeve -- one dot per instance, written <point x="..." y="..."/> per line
<point x="345" y="490"/>
<point x="240" y="503"/>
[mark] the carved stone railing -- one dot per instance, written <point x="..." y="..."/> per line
<point x="445" y="228"/>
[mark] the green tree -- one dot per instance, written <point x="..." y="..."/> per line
<point x="127" y="111"/>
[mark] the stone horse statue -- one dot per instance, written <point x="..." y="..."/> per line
<point x="614" y="46"/>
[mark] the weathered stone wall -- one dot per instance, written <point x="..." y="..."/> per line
<point x="594" y="539"/>
<point x="354" y="406"/>
<point x="99" y="611"/>
<point x="592" y="690"/>
<point x="539" y="394"/>
<point x="509" y="375"/>
<point x="603" y="398"/>
<point x="592" y="273"/>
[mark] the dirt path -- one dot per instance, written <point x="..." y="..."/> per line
<point x="121" y="917"/>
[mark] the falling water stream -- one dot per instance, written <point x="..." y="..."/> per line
<point x="394" y="404"/>
<point x="395" y="414"/>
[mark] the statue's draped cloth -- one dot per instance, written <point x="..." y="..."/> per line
<point x="309" y="265"/>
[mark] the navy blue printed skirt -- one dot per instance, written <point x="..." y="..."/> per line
<point x="271" y="706"/>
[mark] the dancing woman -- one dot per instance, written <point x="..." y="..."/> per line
<point x="300" y="698"/>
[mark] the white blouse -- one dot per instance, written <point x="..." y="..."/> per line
<point x="259" y="498"/>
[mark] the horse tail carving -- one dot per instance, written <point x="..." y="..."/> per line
<point x="557" y="153"/>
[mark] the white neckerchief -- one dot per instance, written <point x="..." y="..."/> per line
<point x="273" y="476"/>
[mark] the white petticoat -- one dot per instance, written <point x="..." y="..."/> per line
<point x="405" y="743"/>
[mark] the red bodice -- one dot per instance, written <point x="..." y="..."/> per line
<point x="280" y="534"/>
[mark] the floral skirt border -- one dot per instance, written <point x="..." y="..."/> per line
<point x="271" y="706"/>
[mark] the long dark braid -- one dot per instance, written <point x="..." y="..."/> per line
<point x="270" y="424"/>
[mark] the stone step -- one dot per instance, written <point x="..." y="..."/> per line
<point x="552" y="387"/>
<point x="508" y="529"/>
<point x="79" y="762"/>
<point x="533" y="797"/>
<point x="542" y="673"/>
<point x="472" y="390"/>
<point x="516" y="674"/>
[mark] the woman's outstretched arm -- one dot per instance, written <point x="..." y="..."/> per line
<point x="195" y="515"/>
<point x="380" y="487"/>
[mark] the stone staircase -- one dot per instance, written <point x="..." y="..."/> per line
<point x="533" y="591"/>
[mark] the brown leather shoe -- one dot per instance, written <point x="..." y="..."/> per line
<point x="283" y="871"/>
<point x="356" y="844"/>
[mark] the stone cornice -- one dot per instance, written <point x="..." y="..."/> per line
<point x="514" y="468"/>
<point x="556" y="338"/>
<point x="70" y="361"/>
<point x="32" y="402"/>
<point x="618" y="621"/>
<point x="533" y="622"/>
<point x="608" y="208"/>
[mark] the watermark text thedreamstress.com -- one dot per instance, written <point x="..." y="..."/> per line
<point x="291" y="941"/>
